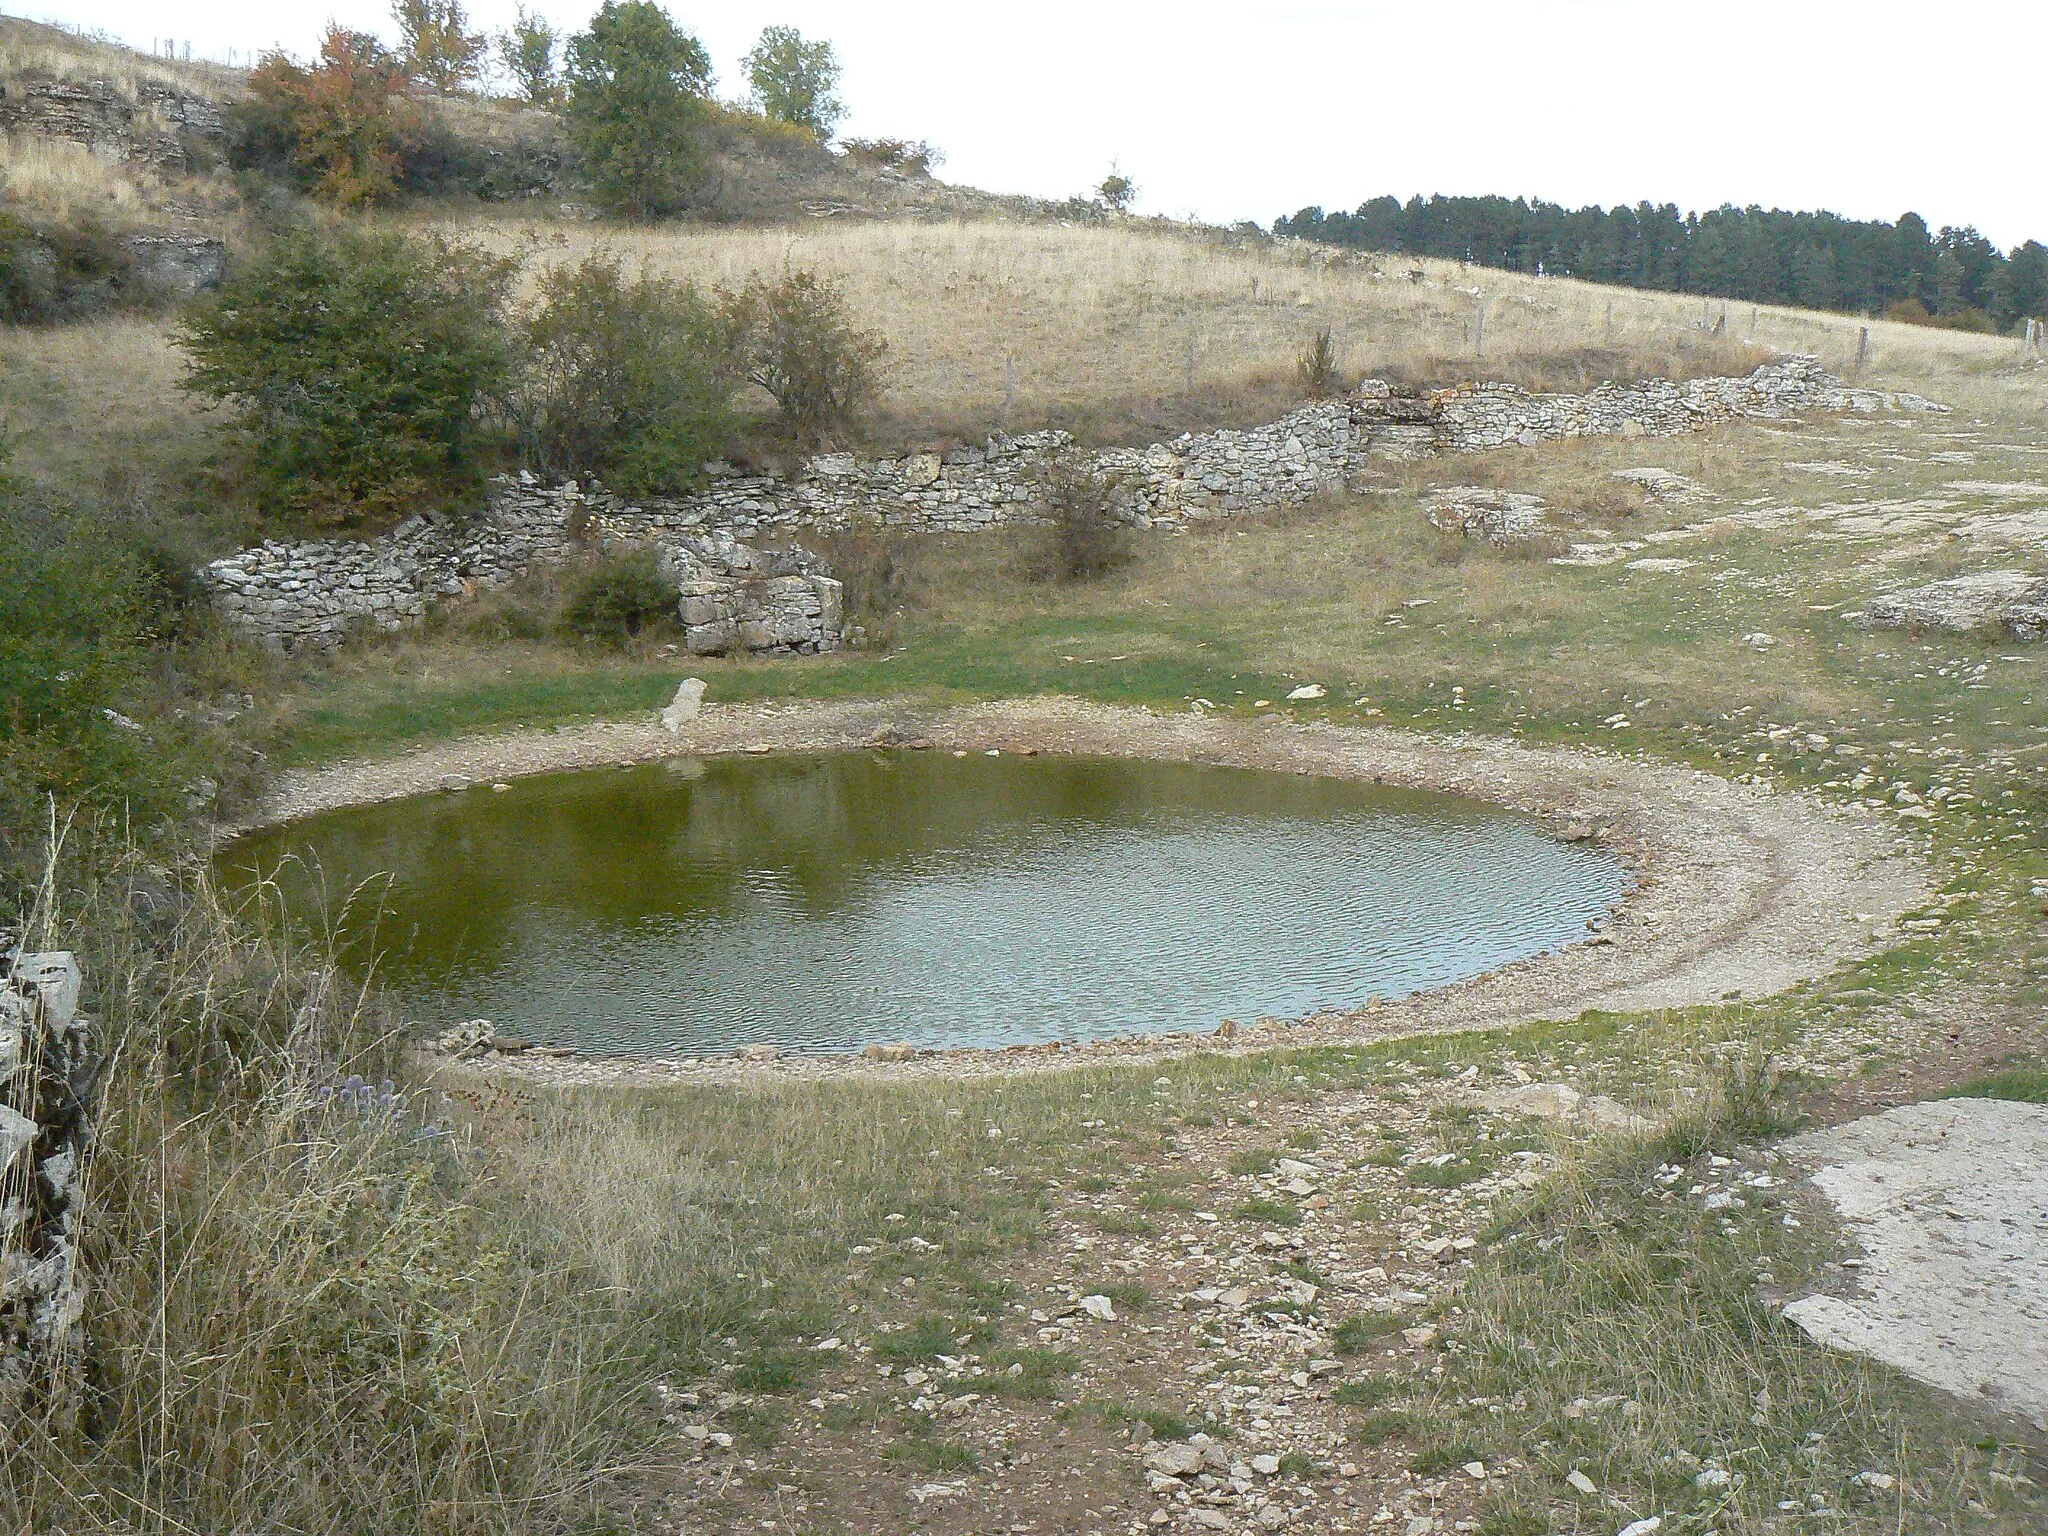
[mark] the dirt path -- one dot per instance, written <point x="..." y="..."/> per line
<point x="1739" y="892"/>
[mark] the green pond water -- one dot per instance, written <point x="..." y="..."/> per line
<point x="822" y="903"/>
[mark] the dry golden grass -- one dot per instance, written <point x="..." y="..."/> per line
<point x="1096" y="323"/>
<point x="1125" y="333"/>
<point x="32" y="48"/>
<point x="63" y="181"/>
<point x="96" y="405"/>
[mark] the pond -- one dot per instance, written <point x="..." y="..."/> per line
<point x="823" y="903"/>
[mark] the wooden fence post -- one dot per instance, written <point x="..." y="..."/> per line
<point x="1862" y="348"/>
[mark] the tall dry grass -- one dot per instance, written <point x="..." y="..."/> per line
<point x="63" y="181"/>
<point x="305" y="1311"/>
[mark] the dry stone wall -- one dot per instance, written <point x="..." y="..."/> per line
<point x="312" y="592"/>
<point x="46" y="1073"/>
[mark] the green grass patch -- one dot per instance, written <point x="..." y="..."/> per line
<point x="1369" y="1391"/>
<point x="930" y="1455"/>
<point x="1385" y="1425"/>
<point x="930" y="1337"/>
<point x="1451" y="1175"/>
<point x="2022" y="1085"/>
<point x="1030" y="1373"/>
<point x="1272" y="1213"/>
<point x="1362" y="1330"/>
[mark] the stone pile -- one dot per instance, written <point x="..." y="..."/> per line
<point x="1480" y="416"/>
<point x="738" y="598"/>
<point x="46" y="1072"/>
<point x="1481" y="512"/>
<point x="2015" y="601"/>
<point x="302" y="593"/>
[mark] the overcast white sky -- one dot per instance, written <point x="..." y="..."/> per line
<point x="1252" y="110"/>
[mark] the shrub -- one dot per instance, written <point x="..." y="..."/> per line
<point x="1317" y="366"/>
<point x="637" y="86"/>
<point x="912" y="155"/>
<point x="874" y="569"/>
<point x="59" y="271"/>
<point x="795" y="81"/>
<point x="798" y="344"/>
<point x="356" y="364"/>
<point x="337" y="127"/>
<point x="1117" y="191"/>
<point x="628" y="381"/>
<point x="1084" y="534"/>
<point x="617" y="597"/>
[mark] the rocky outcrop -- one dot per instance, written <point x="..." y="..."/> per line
<point x="311" y="592"/>
<point x="2014" y="601"/>
<point x="46" y="1072"/>
<point x="176" y="267"/>
<point x="154" y="125"/>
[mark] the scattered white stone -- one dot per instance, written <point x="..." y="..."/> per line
<point x="1308" y="691"/>
<point x="1099" y="1307"/>
<point x="1642" y="1527"/>
<point x="684" y="706"/>
<point x="1759" y="641"/>
<point x="1582" y="1483"/>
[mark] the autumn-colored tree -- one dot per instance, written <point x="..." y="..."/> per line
<point x="340" y="122"/>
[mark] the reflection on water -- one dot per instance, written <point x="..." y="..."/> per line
<point x="823" y="903"/>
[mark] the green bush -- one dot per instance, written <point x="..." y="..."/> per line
<point x="617" y="597"/>
<point x="357" y="364"/>
<point x="60" y="271"/>
<point x="76" y="608"/>
<point x="627" y="381"/>
<point x="1085" y="536"/>
<point x="799" y="345"/>
<point x="637" y="92"/>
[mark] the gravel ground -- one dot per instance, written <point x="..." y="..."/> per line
<point x="1739" y="891"/>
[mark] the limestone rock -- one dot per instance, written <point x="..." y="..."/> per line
<point x="684" y="706"/>
<point x="2016" y="601"/>
<point x="1481" y="512"/>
